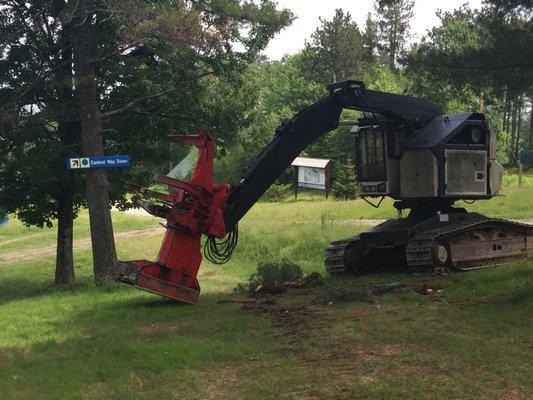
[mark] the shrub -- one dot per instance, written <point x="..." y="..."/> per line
<point x="277" y="192"/>
<point x="269" y="277"/>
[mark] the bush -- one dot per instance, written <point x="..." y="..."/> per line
<point x="277" y="192"/>
<point x="269" y="277"/>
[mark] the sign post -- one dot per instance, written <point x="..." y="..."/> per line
<point x="312" y="173"/>
<point x="120" y="161"/>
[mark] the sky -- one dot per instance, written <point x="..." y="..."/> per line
<point x="307" y="12"/>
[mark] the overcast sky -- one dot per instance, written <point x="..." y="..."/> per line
<point x="307" y="12"/>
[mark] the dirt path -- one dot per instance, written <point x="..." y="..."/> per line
<point x="140" y="212"/>
<point x="79" y="245"/>
<point x="524" y="221"/>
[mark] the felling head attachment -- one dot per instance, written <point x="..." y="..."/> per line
<point x="191" y="208"/>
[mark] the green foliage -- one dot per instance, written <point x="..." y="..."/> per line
<point x="281" y="91"/>
<point x="456" y="32"/>
<point x="269" y="276"/>
<point x="371" y="40"/>
<point x="334" y="53"/>
<point x="344" y="186"/>
<point x="510" y="179"/>
<point x="446" y="46"/>
<point x="394" y="19"/>
<point x="277" y="192"/>
<point x="275" y="90"/>
<point x="230" y="167"/>
<point x="386" y="80"/>
<point x="479" y="57"/>
<point x="165" y="66"/>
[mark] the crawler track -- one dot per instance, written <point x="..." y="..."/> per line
<point x="337" y="255"/>
<point x="459" y="246"/>
<point x="470" y="246"/>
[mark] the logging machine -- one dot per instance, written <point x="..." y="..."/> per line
<point x="406" y="148"/>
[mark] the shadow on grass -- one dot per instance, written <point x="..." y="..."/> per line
<point x="125" y="343"/>
<point x="133" y="344"/>
<point x="15" y="288"/>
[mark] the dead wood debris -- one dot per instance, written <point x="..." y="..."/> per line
<point x="355" y="292"/>
<point x="300" y="283"/>
<point x="425" y="289"/>
<point x="299" y="320"/>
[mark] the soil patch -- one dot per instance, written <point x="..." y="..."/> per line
<point x="300" y="319"/>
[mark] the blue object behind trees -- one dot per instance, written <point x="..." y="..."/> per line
<point x="3" y="218"/>
<point x="526" y="157"/>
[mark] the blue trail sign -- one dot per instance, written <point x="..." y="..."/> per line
<point x="526" y="157"/>
<point x="99" y="162"/>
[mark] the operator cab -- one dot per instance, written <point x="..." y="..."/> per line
<point x="454" y="156"/>
<point x="378" y="154"/>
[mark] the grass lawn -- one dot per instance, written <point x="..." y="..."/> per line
<point x="469" y="339"/>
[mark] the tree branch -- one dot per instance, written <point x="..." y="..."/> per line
<point x="154" y="113"/>
<point x="35" y="82"/>
<point x="138" y="100"/>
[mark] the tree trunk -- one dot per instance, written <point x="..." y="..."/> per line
<point x="506" y="114"/>
<point x="518" y="129"/>
<point x="531" y="128"/>
<point x="64" y="258"/>
<point x="68" y="131"/>
<point x="103" y="241"/>
<point x="513" y="132"/>
<point x="393" y="44"/>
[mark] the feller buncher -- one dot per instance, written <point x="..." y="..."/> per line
<point x="406" y="148"/>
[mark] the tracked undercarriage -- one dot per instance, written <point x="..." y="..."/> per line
<point x="456" y="240"/>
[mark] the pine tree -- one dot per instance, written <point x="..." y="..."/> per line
<point x="371" y="39"/>
<point x="344" y="182"/>
<point x="394" y="19"/>
<point x="336" y="50"/>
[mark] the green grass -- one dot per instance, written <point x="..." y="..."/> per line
<point x="513" y="202"/>
<point x="471" y="340"/>
<point x="16" y="237"/>
<point x="510" y="177"/>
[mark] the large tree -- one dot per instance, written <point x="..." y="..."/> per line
<point x="394" y="18"/>
<point x="88" y="107"/>
<point x="336" y="50"/>
<point x="142" y="68"/>
<point x="38" y="122"/>
<point x="371" y="39"/>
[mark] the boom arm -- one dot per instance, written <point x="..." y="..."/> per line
<point x="294" y="135"/>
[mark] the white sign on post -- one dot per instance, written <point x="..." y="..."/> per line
<point x="312" y="173"/>
<point x="313" y="178"/>
<point x="74" y="163"/>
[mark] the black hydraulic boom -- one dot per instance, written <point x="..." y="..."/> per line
<point x="294" y="135"/>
